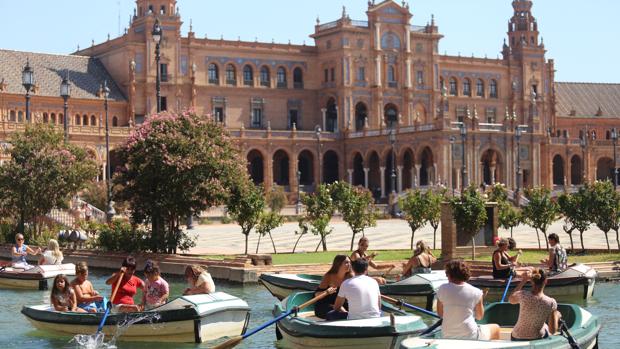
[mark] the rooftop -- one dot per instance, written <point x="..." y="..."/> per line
<point x="583" y="99"/>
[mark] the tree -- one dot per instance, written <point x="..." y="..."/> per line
<point x="414" y="206"/>
<point x="319" y="211"/>
<point x="497" y="193"/>
<point x="269" y="220"/>
<point x="470" y="214"/>
<point x="541" y="211"/>
<point x="176" y="165"/>
<point x="276" y="198"/>
<point x="356" y="206"/>
<point x="604" y="206"/>
<point x="509" y="216"/>
<point x="577" y="214"/>
<point x="434" y="200"/>
<point x="304" y="227"/>
<point x="246" y="208"/>
<point x="44" y="173"/>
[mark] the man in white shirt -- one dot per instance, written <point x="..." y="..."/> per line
<point x="362" y="294"/>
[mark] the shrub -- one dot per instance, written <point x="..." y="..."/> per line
<point x="121" y="236"/>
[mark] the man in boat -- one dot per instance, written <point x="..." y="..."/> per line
<point x="19" y="253"/>
<point x="362" y="248"/>
<point x="362" y="294"/>
<point x="557" y="261"/>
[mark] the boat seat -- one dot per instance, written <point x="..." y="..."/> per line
<point x="371" y="322"/>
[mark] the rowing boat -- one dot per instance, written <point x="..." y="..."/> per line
<point x="576" y="282"/>
<point x="418" y="289"/>
<point x="582" y="325"/>
<point x="186" y="319"/>
<point x="304" y="330"/>
<point x="36" y="278"/>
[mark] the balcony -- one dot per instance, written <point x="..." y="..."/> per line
<point x="214" y="82"/>
<point x="231" y="82"/>
<point x="265" y="83"/>
<point x="281" y="84"/>
<point x="248" y="82"/>
<point x="298" y="85"/>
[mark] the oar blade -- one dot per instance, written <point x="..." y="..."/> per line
<point x="231" y="343"/>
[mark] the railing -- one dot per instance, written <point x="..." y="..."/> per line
<point x="417" y="28"/>
<point x="281" y="84"/>
<point x="68" y="218"/>
<point x="363" y="24"/>
<point x="426" y="127"/>
<point x="248" y="82"/>
<point x="298" y="85"/>
<point x="491" y="127"/>
<point x="328" y="25"/>
<point x="231" y="82"/>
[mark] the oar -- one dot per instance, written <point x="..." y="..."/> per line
<point x="507" y="287"/>
<point x="109" y="305"/>
<point x="236" y="340"/>
<point x="410" y="306"/>
<point x="571" y="340"/>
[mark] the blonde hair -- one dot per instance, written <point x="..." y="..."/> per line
<point x="53" y="246"/>
<point x="194" y="271"/>
<point x="421" y="247"/>
<point x="81" y="268"/>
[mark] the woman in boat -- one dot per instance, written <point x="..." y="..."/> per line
<point x="504" y="264"/>
<point x="19" y="253"/>
<point x="199" y="280"/>
<point x="340" y="271"/>
<point x="157" y="289"/>
<point x="362" y="248"/>
<point x="62" y="296"/>
<point x="535" y="309"/>
<point x="557" y="261"/>
<point x="87" y="298"/>
<point x="129" y="284"/>
<point x="53" y="255"/>
<point x="421" y="261"/>
<point x="461" y="304"/>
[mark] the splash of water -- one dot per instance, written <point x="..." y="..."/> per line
<point x="97" y="340"/>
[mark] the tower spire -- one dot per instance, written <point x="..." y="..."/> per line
<point x="523" y="27"/>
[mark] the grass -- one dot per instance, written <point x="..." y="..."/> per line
<point x="528" y="257"/>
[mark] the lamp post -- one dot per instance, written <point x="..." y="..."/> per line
<point x="463" y="158"/>
<point x="157" y="36"/>
<point x="318" y="153"/>
<point x="614" y="140"/>
<point x="110" y="211"/>
<point x="28" y="83"/>
<point x="65" y="93"/>
<point x="452" y="141"/>
<point x="583" y="143"/>
<point x="392" y="139"/>
<point x="298" y="203"/>
<point x="518" y="174"/>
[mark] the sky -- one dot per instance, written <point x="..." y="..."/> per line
<point x="581" y="36"/>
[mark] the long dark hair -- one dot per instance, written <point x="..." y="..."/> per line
<point x="67" y="292"/>
<point x="338" y="260"/>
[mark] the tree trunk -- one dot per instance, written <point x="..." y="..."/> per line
<point x="607" y="240"/>
<point x="273" y="243"/>
<point x="296" y="242"/>
<point x="246" y="242"/>
<point x="617" y="238"/>
<point x="473" y="249"/>
<point x="318" y="245"/>
<point x="538" y="237"/>
<point x="258" y="242"/>
<point x="412" y="236"/>
<point x="353" y="240"/>
<point x="511" y="232"/>
<point x="324" y="244"/>
<point x="435" y="237"/>
<point x="570" y="235"/>
<point x="545" y="237"/>
<point x="581" y="236"/>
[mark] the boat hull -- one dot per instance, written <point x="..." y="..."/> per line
<point x="37" y="278"/>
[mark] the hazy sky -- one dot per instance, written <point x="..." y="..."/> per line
<point x="580" y="35"/>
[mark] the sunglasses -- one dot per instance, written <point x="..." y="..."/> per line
<point x="20" y="239"/>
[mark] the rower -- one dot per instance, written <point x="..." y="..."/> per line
<point x="361" y="292"/>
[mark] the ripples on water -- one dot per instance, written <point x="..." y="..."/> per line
<point x="17" y="332"/>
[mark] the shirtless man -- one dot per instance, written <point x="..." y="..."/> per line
<point x="87" y="298"/>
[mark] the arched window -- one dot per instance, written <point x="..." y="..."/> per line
<point x="467" y="87"/>
<point x="20" y="116"/>
<point x="264" y="76"/>
<point x="114" y="121"/>
<point x="298" y="78"/>
<point x="84" y="120"/>
<point x="391" y="76"/>
<point x="46" y="118"/>
<point x="231" y="75"/>
<point x="493" y="89"/>
<point x="78" y="119"/>
<point x="480" y="88"/>
<point x="61" y="119"/>
<point x="214" y="74"/>
<point x="453" y="87"/>
<point x="281" y="78"/>
<point x="391" y="115"/>
<point x="53" y="118"/>
<point x="248" y="76"/>
<point x="93" y="120"/>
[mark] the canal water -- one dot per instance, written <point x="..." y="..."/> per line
<point x="16" y="331"/>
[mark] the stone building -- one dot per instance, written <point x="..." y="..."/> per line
<point x="303" y="113"/>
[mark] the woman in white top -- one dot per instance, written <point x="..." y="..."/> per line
<point x="53" y="255"/>
<point x="460" y="305"/>
<point x="199" y="280"/>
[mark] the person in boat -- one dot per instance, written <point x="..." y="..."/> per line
<point x="535" y="309"/>
<point x="420" y="262"/>
<point x="53" y="254"/>
<point x="87" y="297"/>
<point x="360" y="292"/>
<point x="19" y="253"/>
<point x="62" y="296"/>
<point x="362" y="248"/>
<point x="199" y="280"/>
<point x="504" y="264"/>
<point x="129" y="284"/>
<point x="557" y="261"/>
<point x="335" y="276"/>
<point x="157" y="289"/>
<point x="461" y="304"/>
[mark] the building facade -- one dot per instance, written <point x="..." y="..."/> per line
<point x="371" y="102"/>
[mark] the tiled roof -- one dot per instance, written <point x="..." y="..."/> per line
<point x="578" y="99"/>
<point x="86" y="74"/>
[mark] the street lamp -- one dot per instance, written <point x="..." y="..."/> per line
<point x="298" y="203"/>
<point x="463" y="158"/>
<point x="614" y="140"/>
<point x="65" y="93"/>
<point x="28" y="83"/>
<point x="392" y="139"/>
<point x="157" y="36"/>
<point x="105" y="90"/>
<point x="452" y="141"/>
<point x="583" y="143"/>
<point x="518" y="179"/>
<point x="318" y="153"/>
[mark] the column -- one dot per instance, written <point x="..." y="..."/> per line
<point x="399" y="178"/>
<point x="382" y="171"/>
<point x="377" y="35"/>
<point x="416" y="175"/>
<point x="408" y="39"/>
<point x="412" y="178"/>
<point x="337" y="116"/>
<point x="366" y="170"/>
<point x="492" y="170"/>
<point x="350" y="171"/>
<point x="103" y="169"/>
<point x="378" y="70"/>
<point x="268" y="172"/>
<point x="434" y="173"/>
<point x="408" y="71"/>
<point x="323" y="112"/>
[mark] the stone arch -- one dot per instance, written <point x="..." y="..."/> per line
<point x="248" y="75"/>
<point x="576" y="171"/>
<point x="491" y="162"/>
<point x="427" y="168"/>
<point x="361" y="113"/>
<point x="46" y="118"/>
<point x="256" y="166"/>
<point x="331" y="167"/>
<point x="231" y="73"/>
<point x="408" y="165"/>
<point x="264" y="76"/>
<point x="558" y="170"/>
<point x="53" y="118"/>
<point x="420" y="115"/>
<point x="604" y="168"/>
<point x="114" y="121"/>
<point x="84" y="120"/>
<point x="390" y="115"/>
<point x="281" y="165"/>
<point x="305" y="167"/>
<point x="298" y="77"/>
<point x="213" y="73"/>
<point x="358" y="170"/>
<point x="78" y="119"/>
<point x="281" y="77"/>
<point x="374" y="174"/>
<point x="331" y="115"/>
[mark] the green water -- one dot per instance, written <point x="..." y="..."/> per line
<point x="16" y="331"/>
